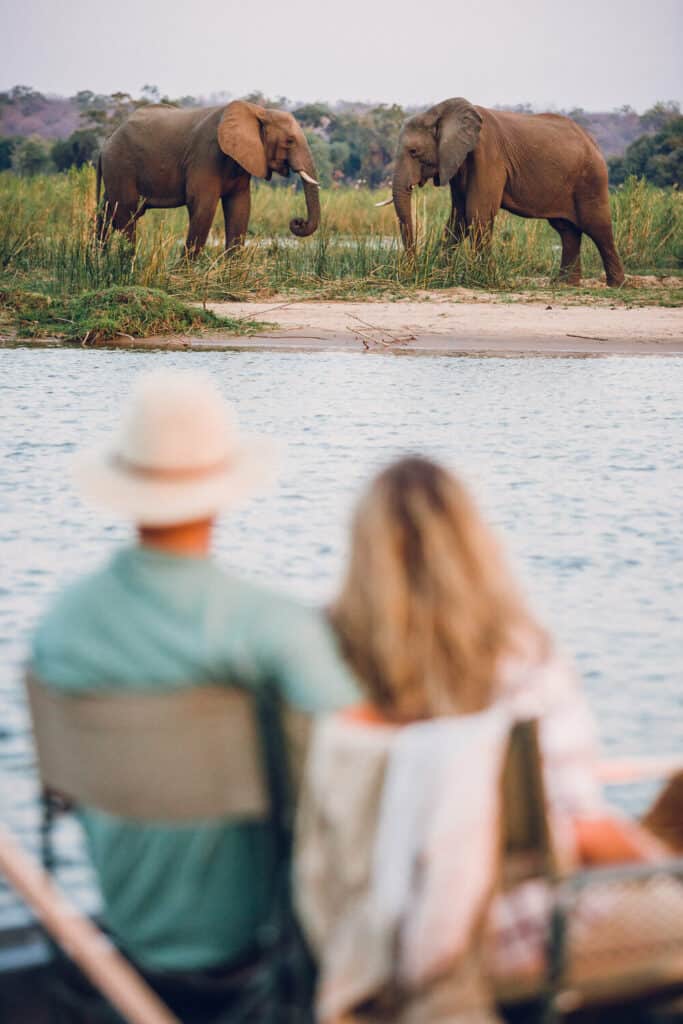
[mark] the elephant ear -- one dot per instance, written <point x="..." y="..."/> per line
<point x="458" y="125"/>
<point x="239" y="136"/>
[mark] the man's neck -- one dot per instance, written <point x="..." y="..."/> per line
<point x="183" y="539"/>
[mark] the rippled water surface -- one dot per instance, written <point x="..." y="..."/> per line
<point x="579" y="462"/>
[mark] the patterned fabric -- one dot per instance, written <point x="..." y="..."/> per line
<point x="517" y="930"/>
<point x="340" y="811"/>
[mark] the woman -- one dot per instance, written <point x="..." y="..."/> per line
<point x="434" y="627"/>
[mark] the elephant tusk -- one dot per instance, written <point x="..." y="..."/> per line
<point x="385" y="202"/>
<point x="309" y="179"/>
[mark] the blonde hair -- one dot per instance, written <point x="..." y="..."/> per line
<point x="428" y="608"/>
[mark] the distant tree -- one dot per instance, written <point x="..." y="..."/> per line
<point x="617" y="173"/>
<point x="320" y="150"/>
<point x="579" y="115"/>
<point x="26" y="98"/>
<point x="32" y="156"/>
<point x="85" y="98"/>
<point x="314" y="115"/>
<point x="517" y="108"/>
<point x="339" y="156"/>
<point x="657" y="117"/>
<point x="277" y="102"/>
<point x="80" y="148"/>
<point x="658" y="158"/>
<point x="150" y="93"/>
<point x="369" y="141"/>
<point x="7" y="144"/>
<point x="104" y="114"/>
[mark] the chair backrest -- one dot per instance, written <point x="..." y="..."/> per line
<point x="191" y="754"/>
<point x="527" y="848"/>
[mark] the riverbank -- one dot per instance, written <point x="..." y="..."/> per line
<point x="458" y="322"/>
<point x="448" y="324"/>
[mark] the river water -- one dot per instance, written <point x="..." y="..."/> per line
<point x="578" y="462"/>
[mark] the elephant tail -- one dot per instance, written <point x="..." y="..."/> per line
<point x="99" y="228"/>
<point x="98" y="187"/>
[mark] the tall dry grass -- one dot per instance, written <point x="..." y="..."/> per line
<point x="47" y="243"/>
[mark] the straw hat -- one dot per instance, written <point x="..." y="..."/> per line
<point x="178" y="456"/>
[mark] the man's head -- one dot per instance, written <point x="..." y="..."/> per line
<point x="178" y="456"/>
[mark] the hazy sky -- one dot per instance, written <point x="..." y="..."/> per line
<point x="597" y="54"/>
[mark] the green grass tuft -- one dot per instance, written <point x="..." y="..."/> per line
<point x="108" y="313"/>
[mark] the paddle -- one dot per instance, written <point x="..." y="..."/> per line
<point x="80" y="939"/>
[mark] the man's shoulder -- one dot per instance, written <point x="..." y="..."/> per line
<point x="66" y="620"/>
<point x="268" y="606"/>
<point x="76" y="596"/>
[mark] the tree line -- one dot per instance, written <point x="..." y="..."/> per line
<point x="352" y="143"/>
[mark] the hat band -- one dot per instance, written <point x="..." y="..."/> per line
<point x="156" y="473"/>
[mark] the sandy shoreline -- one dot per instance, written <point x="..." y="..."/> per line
<point x="435" y="325"/>
<point x="447" y="327"/>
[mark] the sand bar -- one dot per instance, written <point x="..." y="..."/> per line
<point x="441" y="326"/>
<point x="434" y="325"/>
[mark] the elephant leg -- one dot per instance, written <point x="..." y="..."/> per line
<point x="456" y="226"/>
<point x="236" y="210"/>
<point x="202" y="211"/>
<point x="480" y="227"/>
<point x="570" y="264"/>
<point x="600" y="230"/>
<point x="482" y="203"/>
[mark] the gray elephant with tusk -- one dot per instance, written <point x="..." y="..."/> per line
<point x="534" y="165"/>
<point x="164" y="157"/>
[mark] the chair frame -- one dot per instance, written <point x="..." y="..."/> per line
<point x="229" y="754"/>
<point x="526" y="838"/>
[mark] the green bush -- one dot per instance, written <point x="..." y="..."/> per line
<point x="80" y="148"/>
<point x="657" y="158"/>
<point x="7" y="144"/>
<point x="31" y="156"/>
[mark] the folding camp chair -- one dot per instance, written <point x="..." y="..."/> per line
<point x="198" y="753"/>
<point x="616" y="934"/>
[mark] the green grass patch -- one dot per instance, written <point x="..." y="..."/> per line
<point x="108" y="313"/>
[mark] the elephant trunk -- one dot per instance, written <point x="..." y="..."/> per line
<point x="401" y="188"/>
<point x="298" y="226"/>
<point x="401" y="197"/>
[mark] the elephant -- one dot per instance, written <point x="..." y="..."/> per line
<point x="533" y="165"/>
<point x="164" y="156"/>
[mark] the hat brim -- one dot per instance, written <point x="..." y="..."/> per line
<point x="151" y="501"/>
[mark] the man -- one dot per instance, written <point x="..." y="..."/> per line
<point x="162" y="614"/>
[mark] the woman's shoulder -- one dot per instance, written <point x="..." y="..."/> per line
<point x="533" y="686"/>
<point x="358" y="726"/>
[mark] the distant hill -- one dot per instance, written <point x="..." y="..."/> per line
<point x="352" y="143"/>
<point x="614" y="132"/>
<point x="23" y="111"/>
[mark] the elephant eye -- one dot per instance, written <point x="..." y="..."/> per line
<point x="290" y="140"/>
<point x="413" y="152"/>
